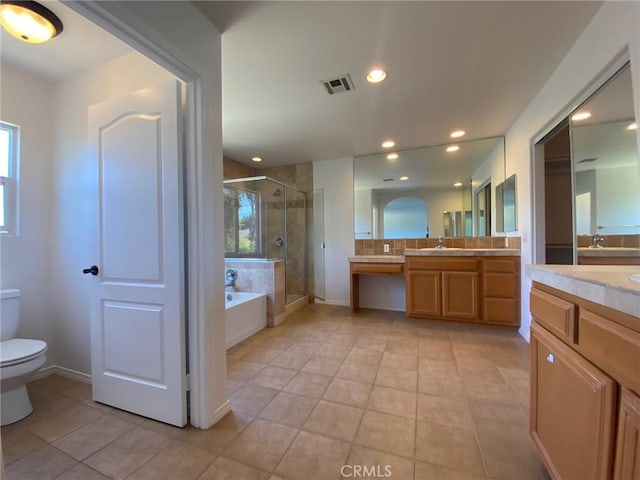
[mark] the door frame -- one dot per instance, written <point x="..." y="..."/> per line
<point x="208" y="401"/>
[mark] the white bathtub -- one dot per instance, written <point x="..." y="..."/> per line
<point x="245" y="314"/>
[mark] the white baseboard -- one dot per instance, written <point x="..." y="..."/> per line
<point x="336" y="303"/>
<point x="221" y="411"/>
<point x="63" y="372"/>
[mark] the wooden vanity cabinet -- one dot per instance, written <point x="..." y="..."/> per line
<point x="572" y="410"/>
<point x="442" y="287"/>
<point x="477" y="289"/>
<point x="585" y="385"/>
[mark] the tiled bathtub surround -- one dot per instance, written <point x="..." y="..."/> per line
<point x="263" y="276"/>
<point x="396" y="247"/>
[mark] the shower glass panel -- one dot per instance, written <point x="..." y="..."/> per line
<point x="264" y="218"/>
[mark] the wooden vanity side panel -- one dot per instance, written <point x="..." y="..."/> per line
<point x="423" y="293"/>
<point x="572" y="410"/>
<point x="583" y="260"/>
<point x="627" y="464"/>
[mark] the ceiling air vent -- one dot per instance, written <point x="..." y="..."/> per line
<point x="387" y="179"/>
<point x="588" y="160"/>
<point x="337" y="85"/>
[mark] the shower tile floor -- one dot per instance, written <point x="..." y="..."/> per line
<point x="317" y="398"/>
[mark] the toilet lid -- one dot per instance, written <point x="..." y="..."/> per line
<point x="19" y="350"/>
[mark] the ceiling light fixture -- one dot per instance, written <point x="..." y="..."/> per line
<point x="581" y="116"/>
<point x="453" y="148"/>
<point x="458" y="133"/>
<point x="29" y="21"/>
<point x="376" y="75"/>
<point x="256" y="159"/>
<point x="457" y="184"/>
<point x="388" y="144"/>
<point x="632" y="126"/>
<point x="404" y="178"/>
<point x="392" y="156"/>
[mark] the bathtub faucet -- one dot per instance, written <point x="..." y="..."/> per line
<point x="230" y="277"/>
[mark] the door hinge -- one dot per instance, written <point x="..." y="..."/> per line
<point x="188" y="382"/>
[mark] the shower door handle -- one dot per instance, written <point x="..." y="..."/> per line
<point x="279" y="241"/>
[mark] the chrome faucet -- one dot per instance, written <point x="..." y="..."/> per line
<point x="597" y="241"/>
<point x="440" y="242"/>
<point x="230" y="277"/>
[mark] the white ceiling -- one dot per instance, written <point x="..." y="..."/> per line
<point x="470" y="65"/>
<point x="80" y="47"/>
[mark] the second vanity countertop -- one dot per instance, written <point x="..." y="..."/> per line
<point x="610" y="286"/>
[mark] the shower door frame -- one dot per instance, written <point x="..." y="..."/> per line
<point x="286" y="237"/>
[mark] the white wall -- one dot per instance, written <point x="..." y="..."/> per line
<point x="75" y="227"/>
<point x="614" y="28"/>
<point x="27" y="101"/>
<point x="336" y="177"/>
<point x="363" y="215"/>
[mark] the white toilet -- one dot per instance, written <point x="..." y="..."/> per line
<point x="20" y="359"/>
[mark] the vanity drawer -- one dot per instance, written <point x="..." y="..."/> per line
<point x="442" y="264"/>
<point x="377" y="268"/>
<point x="504" y="265"/>
<point x="556" y="314"/>
<point x="615" y="348"/>
<point x="501" y="285"/>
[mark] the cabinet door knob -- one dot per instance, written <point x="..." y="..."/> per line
<point x="551" y="358"/>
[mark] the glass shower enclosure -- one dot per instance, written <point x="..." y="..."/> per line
<point x="266" y="219"/>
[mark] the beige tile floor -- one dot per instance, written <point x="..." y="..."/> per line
<point x="416" y="399"/>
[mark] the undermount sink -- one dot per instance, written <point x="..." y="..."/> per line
<point x="635" y="277"/>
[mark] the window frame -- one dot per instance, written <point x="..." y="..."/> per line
<point x="257" y="253"/>
<point x="11" y="183"/>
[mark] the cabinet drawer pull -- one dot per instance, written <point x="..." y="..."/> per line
<point x="551" y="358"/>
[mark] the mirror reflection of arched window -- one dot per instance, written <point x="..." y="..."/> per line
<point x="405" y="217"/>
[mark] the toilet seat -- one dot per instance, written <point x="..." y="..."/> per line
<point x="20" y="350"/>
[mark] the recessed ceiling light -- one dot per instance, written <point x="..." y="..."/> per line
<point x="392" y="156"/>
<point x="457" y="184"/>
<point x="458" y="133"/>
<point x="404" y="178"/>
<point x="633" y="126"/>
<point x="581" y="116"/>
<point x="29" y="21"/>
<point x="256" y="159"/>
<point x="388" y="144"/>
<point x="376" y="75"/>
<point x="453" y="148"/>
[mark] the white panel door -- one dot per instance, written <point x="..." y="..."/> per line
<point x="137" y="305"/>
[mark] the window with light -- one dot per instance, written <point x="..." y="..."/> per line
<point x="9" y="157"/>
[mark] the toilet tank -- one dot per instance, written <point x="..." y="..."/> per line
<point x="9" y="313"/>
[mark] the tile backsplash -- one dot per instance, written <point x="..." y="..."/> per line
<point x="628" y="241"/>
<point x="397" y="246"/>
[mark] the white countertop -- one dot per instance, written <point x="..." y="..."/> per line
<point x="604" y="284"/>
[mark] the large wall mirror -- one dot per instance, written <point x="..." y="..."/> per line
<point x="605" y="165"/>
<point x="427" y="192"/>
